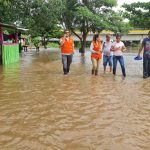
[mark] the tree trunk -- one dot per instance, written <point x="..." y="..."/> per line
<point x="44" y="43"/>
<point x="37" y="48"/>
<point x="82" y="41"/>
<point x="83" y="44"/>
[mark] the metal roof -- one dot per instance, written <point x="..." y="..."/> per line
<point x="135" y="31"/>
<point x="8" y="25"/>
<point x="13" y="27"/>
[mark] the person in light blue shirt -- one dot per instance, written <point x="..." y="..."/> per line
<point x="107" y="54"/>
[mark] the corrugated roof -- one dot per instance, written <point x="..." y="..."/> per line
<point x="12" y="27"/>
<point x="8" y="25"/>
<point x="130" y="32"/>
<point x="138" y="32"/>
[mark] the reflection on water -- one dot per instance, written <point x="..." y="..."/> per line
<point x="41" y="109"/>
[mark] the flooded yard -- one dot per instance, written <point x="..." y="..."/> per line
<point x="41" y="109"/>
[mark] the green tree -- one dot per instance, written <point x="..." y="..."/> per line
<point x="138" y="14"/>
<point x="90" y="15"/>
<point x="4" y="2"/>
<point x="39" y="16"/>
<point x="43" y="18"/>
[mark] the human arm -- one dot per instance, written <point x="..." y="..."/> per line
<point x="101" y="48"/>
<point x="73" y="46"/>
<point x="91" y="48"/>
<point x="123" y="48"/>
<point x="112" y="47"/>
<point x="62" y="40"/>
<point x="141" y="48"/>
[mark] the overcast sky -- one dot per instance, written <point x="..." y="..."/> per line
<point x="120" y="2"/>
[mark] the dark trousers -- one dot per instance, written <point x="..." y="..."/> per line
<point x="121" y="61"/>
<point x="146" y="67"/>
<point x="25" y="48"/>
<point x="66" y="61"/>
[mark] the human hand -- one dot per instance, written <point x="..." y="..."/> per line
<point x="123" y="48"/>
<point x="137" y="57"/>
<point x="98" y="52"/>
<point x="112" y="48"/>
<point x="118" y="48"/>
<point x="64" y="35"/>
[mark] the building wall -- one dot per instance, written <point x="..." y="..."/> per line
<point x="129" y="37"/>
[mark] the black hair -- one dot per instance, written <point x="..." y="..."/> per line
<point x="108" y="34"/>
<point x="149" y="32"/>
<point x="95" y="37"/>
<point x="66" y="30"/>
<point x="118" y="35"/>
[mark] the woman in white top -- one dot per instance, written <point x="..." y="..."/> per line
<point x="96" y="53"/>
<point x="118" y="48"/>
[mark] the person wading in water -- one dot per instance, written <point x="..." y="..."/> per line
<point x="96" y="53"/>
<point x="146" y="56"/>
<point x="118" y="48"/>
<point x="107" y="54"/>
<point x="67" y="50"/>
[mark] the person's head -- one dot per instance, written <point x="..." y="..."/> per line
<point x="149" y="34"/>
<point x="96" y="37"/>
<point x="108" y="36"/>
<point x="67" y="33"/>
<point x="118" y="38"/>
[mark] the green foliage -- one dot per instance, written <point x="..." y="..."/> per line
<point x="53" y="45"/>
<point x="40" y="16"/>
<point x="77" y="44"/>
<point x="36" y="41"/>
<point x="57" y="32"/>
<point x="91" y="15"/>
<point x="138" y="14"/>
<point x="136" y="44"/>
<point x="116" y="24"/>
<point x="45" y="18"/>
<point x="4" y="2"/>
<point x="42" y="19"/>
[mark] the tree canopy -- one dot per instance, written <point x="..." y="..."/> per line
<point x="45" y="17"/>
<point x="39" y="16"/>
<point x="138" y="14"/>
<point x="91" y="15"/>
<point x="4" y="2"/>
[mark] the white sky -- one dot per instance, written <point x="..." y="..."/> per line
<point x="121" y="2"/>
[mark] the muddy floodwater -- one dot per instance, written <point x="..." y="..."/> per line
<point x="41" y="109"/>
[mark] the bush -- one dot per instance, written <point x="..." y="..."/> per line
<point x="36" y="41"/>
<point x="53" y="45"/>
<point x="135" y="44"/>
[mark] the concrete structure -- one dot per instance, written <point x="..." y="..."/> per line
<point x="133" y="35"/>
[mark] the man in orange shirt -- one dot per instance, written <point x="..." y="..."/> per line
<point x="67" y="50"/>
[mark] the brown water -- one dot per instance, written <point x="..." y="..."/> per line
<point x="41" y="109"/>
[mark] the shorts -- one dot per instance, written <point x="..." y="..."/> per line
<point x="107" y="59"/>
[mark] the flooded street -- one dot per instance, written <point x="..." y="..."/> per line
<point x="41" y="109"/>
